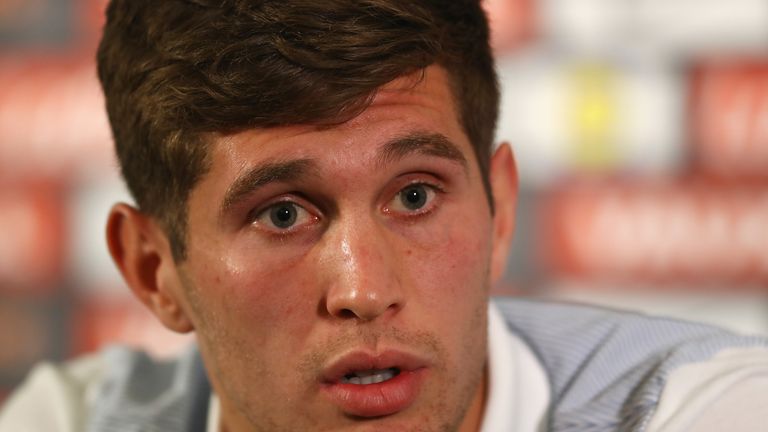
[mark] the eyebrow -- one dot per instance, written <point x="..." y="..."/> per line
<point x="431" y="144"/>
<point x="261" y="175"/>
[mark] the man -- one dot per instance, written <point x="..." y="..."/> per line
<point x="317" y="199"/>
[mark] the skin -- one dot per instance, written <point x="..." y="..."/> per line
<point x="358" y="270"/>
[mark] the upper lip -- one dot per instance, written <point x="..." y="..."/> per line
<point x="354" y="361"/>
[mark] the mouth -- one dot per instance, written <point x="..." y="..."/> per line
<point x="374" y="385"/>
<point x="368" y="377"/>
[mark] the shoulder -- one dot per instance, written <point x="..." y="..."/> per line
<point x="115" y="389"/>
<point x="622" y="369"/>
<point x="63" y="392"/>
<point x="726" y="392"/>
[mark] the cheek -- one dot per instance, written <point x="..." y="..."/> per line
<point x="452" y="294"/>
<point x="453" y="262"/>
<point x="255" y="296"/>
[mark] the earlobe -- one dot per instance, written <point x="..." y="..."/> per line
<point x="504" y="184"/>
<point x="142" y="254"/>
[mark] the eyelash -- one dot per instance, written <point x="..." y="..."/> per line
<point x="254" y="216"/>
<point x="282" y="234"/>
<point x="430" y="207"/>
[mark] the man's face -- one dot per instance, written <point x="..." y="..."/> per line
<point x="337" y="278"/>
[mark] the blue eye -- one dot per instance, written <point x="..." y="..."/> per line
<point x="414" y="197"/>
<point x="283" y="215"/>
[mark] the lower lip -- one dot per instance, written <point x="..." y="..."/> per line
<point x="377" y="400"/>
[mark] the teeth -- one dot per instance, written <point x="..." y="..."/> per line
<point x="369" y="377"/>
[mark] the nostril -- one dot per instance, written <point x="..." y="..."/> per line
<point x="346" y="302"/>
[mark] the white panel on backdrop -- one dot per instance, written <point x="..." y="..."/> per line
<point x="658" y="27"/>
<point x="571" y="117"/>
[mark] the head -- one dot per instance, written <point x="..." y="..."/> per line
<point x="317" y="200"/>
<point x="174" y="72"/>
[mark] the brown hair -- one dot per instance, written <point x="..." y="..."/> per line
<point x="175" y="70"/>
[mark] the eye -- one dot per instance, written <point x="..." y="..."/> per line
<point x="415" y="198"/>
<point x="283" y="216"/>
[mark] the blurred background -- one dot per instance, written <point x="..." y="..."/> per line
<point x="640" y="129"/>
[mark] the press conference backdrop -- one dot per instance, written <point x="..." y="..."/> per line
<point x="640" y="130"/>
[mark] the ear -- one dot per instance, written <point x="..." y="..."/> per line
<point x="142" y="253"/>
<point x="504" y="186"/>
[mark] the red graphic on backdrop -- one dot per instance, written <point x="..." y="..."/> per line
<point x="99" y="321"/>
<point x="32" y="220"/>
<point x="512" y="23"/>
<point x="730" y="119"/>
<point x="660" y="233"/>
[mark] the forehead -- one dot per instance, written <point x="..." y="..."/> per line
<point x="419" y="103"/>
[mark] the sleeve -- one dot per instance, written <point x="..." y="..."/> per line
<point x="53" y="398"/>
<point x="728" y="392"/>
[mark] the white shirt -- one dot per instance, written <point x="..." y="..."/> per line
<point x="727" y="392"/>
<point x="518" y="394"/>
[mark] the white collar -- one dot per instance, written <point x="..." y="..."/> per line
<point x="518" y="390"/>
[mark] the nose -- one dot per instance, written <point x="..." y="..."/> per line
<point x="365" y="280"/>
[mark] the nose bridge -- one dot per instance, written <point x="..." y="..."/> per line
<point x="364" y="282"/>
